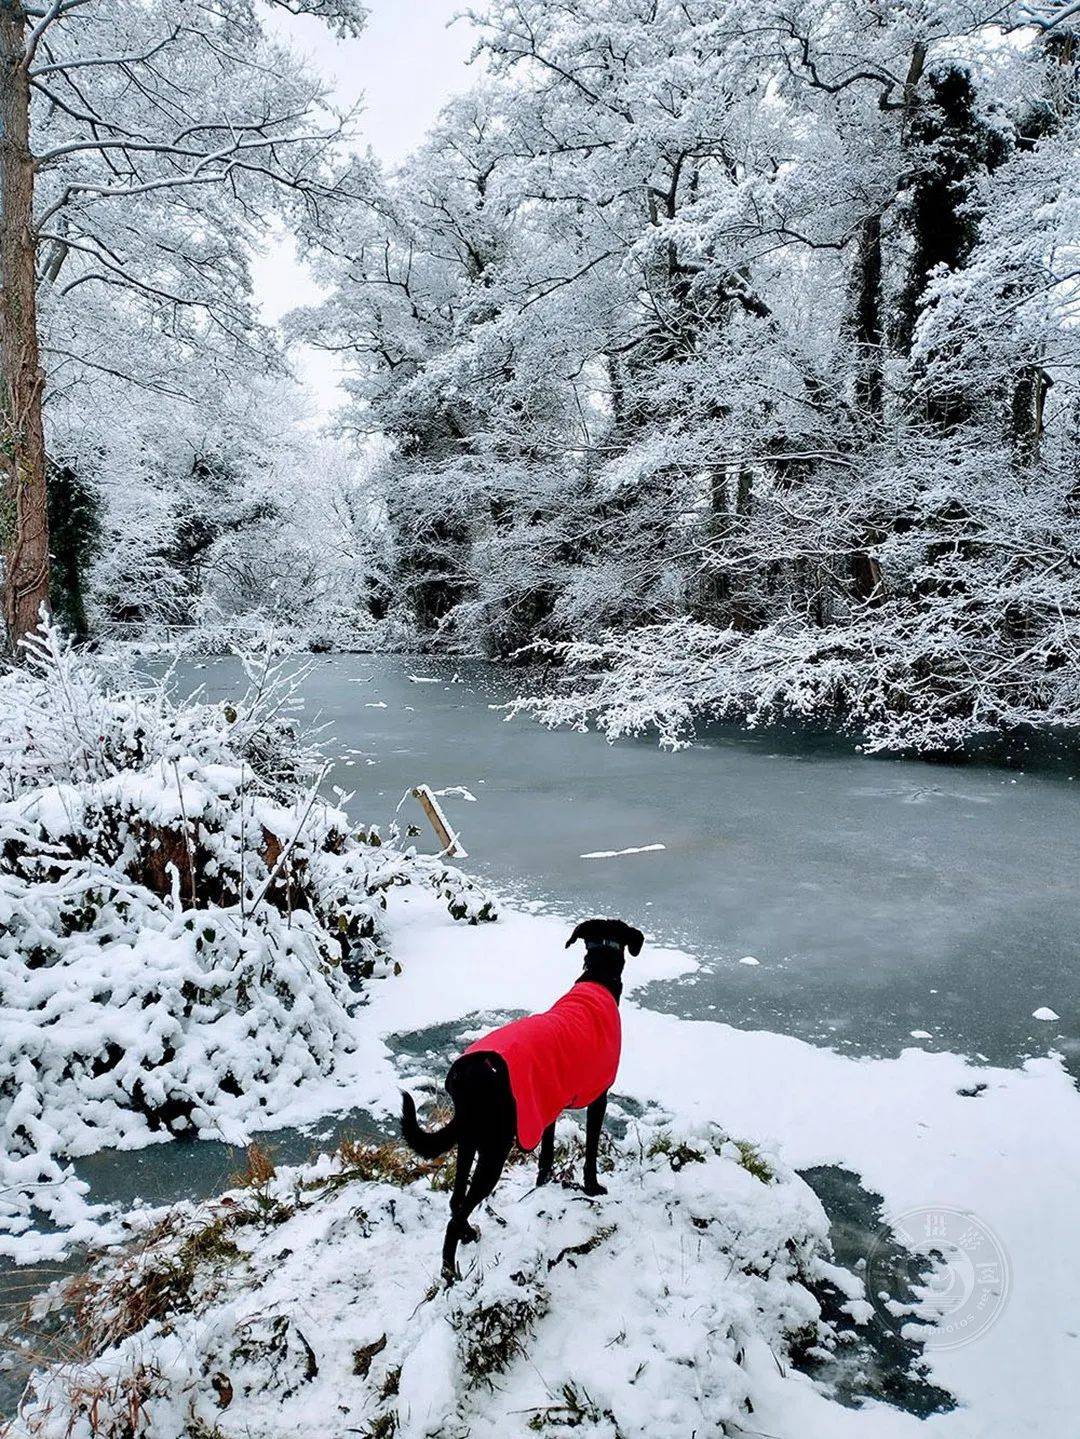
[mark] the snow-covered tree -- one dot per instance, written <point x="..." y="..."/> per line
<point x="748" y="318"/>
<point x="145" y="148"/>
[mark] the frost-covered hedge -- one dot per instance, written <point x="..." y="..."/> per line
<point x="308" y="1303"/>
<point x="904" y="680"/>
<point x="340" y="627"/>
<point x="185" y="925"/>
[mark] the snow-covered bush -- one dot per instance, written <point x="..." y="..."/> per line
<point x="185" y="924"/>
<point x="306" y="1303"/>
<point x="68" y="716"/>
<point x="899" y="677"/>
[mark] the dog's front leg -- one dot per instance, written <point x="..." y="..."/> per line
<point x="594" y="1123"/>
<point x="547" y="1154"/>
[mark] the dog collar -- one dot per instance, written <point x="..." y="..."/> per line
<point x="603" y="944"/>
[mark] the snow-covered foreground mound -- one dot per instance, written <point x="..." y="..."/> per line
<point x="309" y="1303"/>
<point x="186" y="926"/>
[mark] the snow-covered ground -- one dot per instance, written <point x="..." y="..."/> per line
<point x="1005" y="1158"/>
<point x="311" y="1304"/>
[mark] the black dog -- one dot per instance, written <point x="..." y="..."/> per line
<point x="516" y="1080"/>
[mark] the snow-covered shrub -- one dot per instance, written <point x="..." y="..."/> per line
<point x="185" y="924"/>
<point x="898" y="677"/>
<point x="308" y="1303"/>
<point x="68" y="716"/>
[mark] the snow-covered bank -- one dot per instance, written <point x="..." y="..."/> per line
<point x="1008" y="1157"/>
<point x="310" y="1304"/>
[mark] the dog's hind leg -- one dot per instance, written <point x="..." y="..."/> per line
<point x="457" y="1228"/>
<point x="449" y="1250"/>
<point x="485" y="1177"/>
<point x="459" y="1231"/>
<point x="547" y="1154"/>
<point x="594" y="1123"/>
<point x="463" y="1168"/>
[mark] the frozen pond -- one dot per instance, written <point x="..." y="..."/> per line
<point x="878" y="896"/>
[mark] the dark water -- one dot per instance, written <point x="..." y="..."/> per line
<point x="879" y="896"/>
<point x="873" y="1359"/>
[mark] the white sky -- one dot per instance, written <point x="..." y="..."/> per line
<point x="407" y="63"/>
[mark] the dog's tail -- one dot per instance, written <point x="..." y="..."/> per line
<point x="427" y="1144"/>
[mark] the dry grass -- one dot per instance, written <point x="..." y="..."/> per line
<point x="165" y="1272"/>
<point x="152" y="1280"/>
<point x="573" y="1252"/>
<point x="168" y="1271"/>
<point x="577" y="1410"/>
<point x="386" y="1163"/>
<point x="178" y="1260"/>
<point x="114" y="1407"/>
<point x="677" y="1155"/>
<point x="753" y="1162"/>
<point x="105" y="1407"/>
<point x="382" y="1427"/>
<point x="363" y="1356"/>
<point x="259" y="1169"/>
<point x="680" y="1154"/>
<point x="491" y="1336"/>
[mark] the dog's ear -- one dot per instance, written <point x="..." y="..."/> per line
<point x="632" y="938"/>
<point x="579" y="933"/>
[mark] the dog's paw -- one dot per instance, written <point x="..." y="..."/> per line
<point x="544" y="1177"/>
<point x="593" y="1188"/>
<point x="468" y="1233"/>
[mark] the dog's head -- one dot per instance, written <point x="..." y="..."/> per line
<point x="607" y="934"/>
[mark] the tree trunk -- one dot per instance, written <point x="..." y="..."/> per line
<point x="1028" y="405"/>
<point x="867" y="327"/>
<point x="24" y="528"/>
<point x="865" y="321"/>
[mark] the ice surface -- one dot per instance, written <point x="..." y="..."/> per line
<point x="859" y="884"/>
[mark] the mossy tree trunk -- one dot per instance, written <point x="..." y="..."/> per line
<point x="24" y="524"/>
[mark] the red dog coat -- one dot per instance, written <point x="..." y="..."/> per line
<point x="561" y="1059"/>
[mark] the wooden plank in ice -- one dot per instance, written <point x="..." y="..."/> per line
<point x="449" y="841"/>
